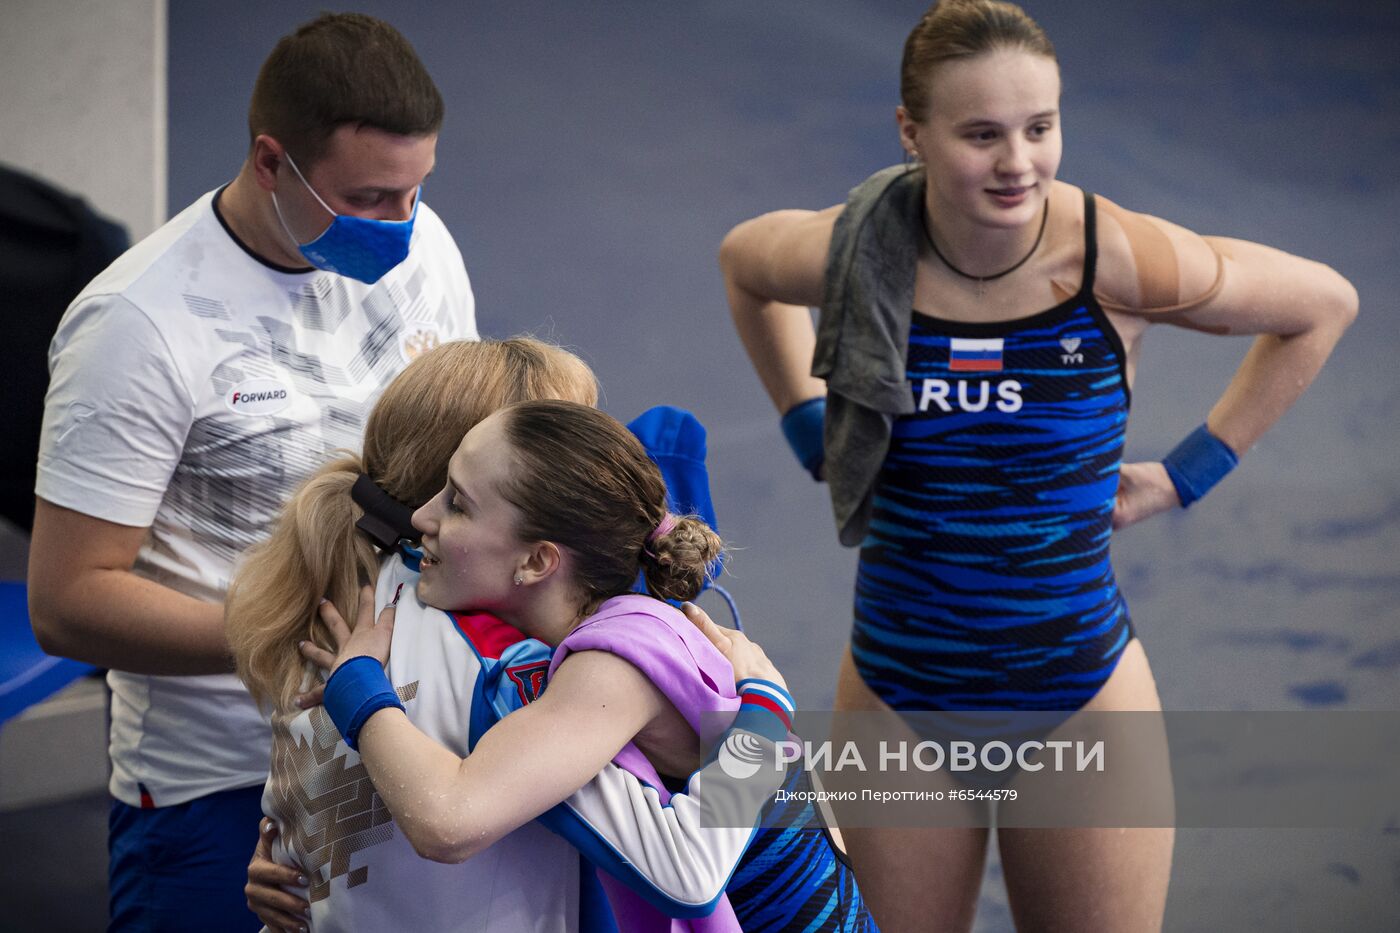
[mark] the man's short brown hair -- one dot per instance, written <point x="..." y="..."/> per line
<point x="338" y="69"/>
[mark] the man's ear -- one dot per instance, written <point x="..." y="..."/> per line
<point x="267" y="157"/>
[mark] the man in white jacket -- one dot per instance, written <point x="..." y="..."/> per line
<point x="194" y="384"/>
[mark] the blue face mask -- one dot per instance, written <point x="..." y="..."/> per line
<point x="357" y="247"/>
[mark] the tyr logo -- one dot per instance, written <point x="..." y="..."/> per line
<point x="1070" y="346"/>
<point x="529" y="679"/>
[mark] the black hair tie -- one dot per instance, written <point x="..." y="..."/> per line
<point x="387" y="521"/>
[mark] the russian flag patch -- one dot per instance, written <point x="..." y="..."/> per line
<point x="974" y="356"/>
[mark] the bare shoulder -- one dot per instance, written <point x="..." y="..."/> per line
<point x="1066" y="218"/>
<point x="1146" y="262"/>
<point x="781" y="255"/>
<point x="1113" y="277"/>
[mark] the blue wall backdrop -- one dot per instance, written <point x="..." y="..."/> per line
<point x="594" y="155"/>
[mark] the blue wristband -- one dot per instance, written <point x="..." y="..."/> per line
<point x="1198" y="463"/>
<point x="803" y="426"/>
<point x="358" y="689"/>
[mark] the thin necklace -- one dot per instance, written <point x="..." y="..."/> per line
<point x="982" y="280"/>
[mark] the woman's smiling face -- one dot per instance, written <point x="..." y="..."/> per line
<point x="471" y="551"/>
<point x="991" y="140"/>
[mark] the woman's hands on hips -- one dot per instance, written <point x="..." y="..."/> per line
<point x="1144" y="490"/>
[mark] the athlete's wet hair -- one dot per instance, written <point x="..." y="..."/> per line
<point x="955" y="29"/>
<point x="583" y="481"/>
<point x="338" y="69"/>
<point x="315" y="548"/>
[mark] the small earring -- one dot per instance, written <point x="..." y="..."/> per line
<point x="518" y="581"/>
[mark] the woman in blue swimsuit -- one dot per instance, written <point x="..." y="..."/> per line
<point x="966" y="396"/>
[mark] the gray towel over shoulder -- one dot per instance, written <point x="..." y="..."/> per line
<point x="863" y="336"/>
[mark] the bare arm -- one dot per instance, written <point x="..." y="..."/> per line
<point x="86" y="604"/>
<point x="536" y="757"/>
<point x="1297" y="307"/>
<point x="450" y="808"/>
<point x="773" y="269"/>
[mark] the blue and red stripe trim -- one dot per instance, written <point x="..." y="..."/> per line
<point x="766" y="695"/>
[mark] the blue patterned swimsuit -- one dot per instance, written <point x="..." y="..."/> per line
<point x="984" y="581"/>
